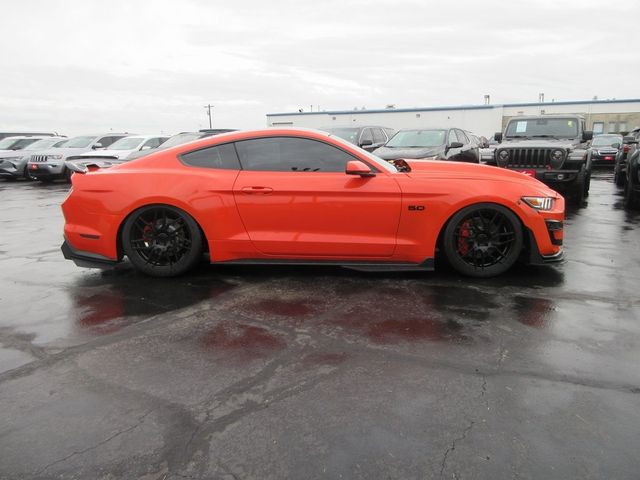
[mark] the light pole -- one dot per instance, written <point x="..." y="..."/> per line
<point x="209" y="107"/>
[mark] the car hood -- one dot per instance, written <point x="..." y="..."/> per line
<point x="65" y="152"/>
<point x="472" y="171"/>
<point x="387" y="153"/>
<point x="539" y="143"/>
<point x="15" y="153"/>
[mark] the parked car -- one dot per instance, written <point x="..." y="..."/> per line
<point x="11" y="144"/>
<point x="367" y="137"/>
<point x="606" y="149"/>
<point x="551" y="148"/>
<point x="629" y="145"/>
<point x="261" y="197"/>
<point x="431" y="144"/>
<point x="13" y="164"/>
<point x="632" y="183"/>
<point x="121" y="149"/>
<point x="29" y="134"/>
<point x="49" y="165"/>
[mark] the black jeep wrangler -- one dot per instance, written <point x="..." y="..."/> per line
<point x="552" y="148"/>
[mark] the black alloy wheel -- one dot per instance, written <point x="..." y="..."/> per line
<point x="162" y="241"/>
<point x="483" y="240"/>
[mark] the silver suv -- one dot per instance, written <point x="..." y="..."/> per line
<point x="48" y="165"/>
<point x="13" y="164"/>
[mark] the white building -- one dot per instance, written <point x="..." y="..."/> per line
<point x="600" y="115"/>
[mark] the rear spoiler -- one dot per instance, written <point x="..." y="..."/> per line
<point x="84" y="164"/>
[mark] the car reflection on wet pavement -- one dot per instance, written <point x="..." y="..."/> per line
<point x="281" y="372"/>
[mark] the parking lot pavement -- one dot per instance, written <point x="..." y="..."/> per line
<point x="319" y="372"/>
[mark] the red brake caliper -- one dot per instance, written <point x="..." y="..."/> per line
<point x="463" y="238"/>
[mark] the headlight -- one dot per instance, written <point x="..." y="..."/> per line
<point x="557" y="158"/>
<point x="539" y="203"/>
<point x="54" y="157"/>
<point x="503" y="157"/>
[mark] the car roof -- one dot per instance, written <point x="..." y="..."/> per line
<point x="549" y="115"/>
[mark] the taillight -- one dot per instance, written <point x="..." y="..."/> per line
<point x="626" y="149"/>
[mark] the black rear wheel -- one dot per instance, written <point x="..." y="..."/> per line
<point x="631" y="199"/>
<point x="483" y="240"/>
<point x="162" y="241"/>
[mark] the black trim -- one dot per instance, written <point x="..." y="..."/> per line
<point x="369" y="266"/>
<point x="536" y="258"/>
<point x="86" y="259"/>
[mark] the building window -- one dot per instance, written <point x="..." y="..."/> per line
<point x="612" y="127"/>
<point x="417" y="115"/>
<point x="623" y="127"/>
<point x="598" y="127"/>
<point x="333" y="118"/>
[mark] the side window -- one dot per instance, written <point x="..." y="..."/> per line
<point x="452" y="136"/>
<point x="366" y="135"/>
<point x="151" y="143"/>
<point x="598" y="127"/>
<point x="462" y="137"/>
<point x="287" y="154"/>
<point x="106" y="141"/>
<point x="378" y="136"/>
<point x="220" y="157"/>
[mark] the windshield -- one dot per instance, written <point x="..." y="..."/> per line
<point x="9" y="143"/>
<point x="127" y="143"/>
<point x="417" y="138"/>
<point x="606" y="141"/>
<point x="376" y="160"/>
<point x="42" y="144"/>
<point x="543" y="127"/>
<point x="180" y="139"/>
<point x="20" y="144"/>
<point x="348" y="134"/>
<point x="80" y="142"/>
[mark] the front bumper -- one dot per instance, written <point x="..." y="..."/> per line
<point x="86" y="259"/>
<point x="45" y="170"/>
<point x="603" y="160"/>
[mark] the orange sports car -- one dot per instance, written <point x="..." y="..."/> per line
<point x="294" y="196"/>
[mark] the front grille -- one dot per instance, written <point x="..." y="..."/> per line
<point x="38" y="158"/>
<point x="607" y="151"/>
<point x="527" y="157"/>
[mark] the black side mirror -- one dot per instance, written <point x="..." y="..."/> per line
<point x="456" y="145"/>
<point x="498" y="136"/>
<point x="97" y="146"/>
<point x="587" y="135"/>
<point x="366" y="143"/>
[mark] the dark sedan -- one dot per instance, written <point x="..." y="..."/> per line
<point x="431" y="144"/>
<point x="605" y="150"/>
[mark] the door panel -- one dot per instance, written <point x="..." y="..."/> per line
<point x="314" y="214"/>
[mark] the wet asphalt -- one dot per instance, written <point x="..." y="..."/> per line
<point x="314" y="373"/>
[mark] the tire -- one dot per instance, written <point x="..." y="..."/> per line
<point x="631" y="200"/>
<point x="577" y="193"/>
<point x="26" y="174"/>
<point x="162" y="241"/>
<point x="618" y="178"/>
<point x="587" y="184"/>
<point x="483" y="240"/>
<point x="67" y="175"/>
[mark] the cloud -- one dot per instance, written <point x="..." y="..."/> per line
<point x="149" y="65"/>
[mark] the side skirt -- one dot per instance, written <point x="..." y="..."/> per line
<point x="363" y="266"/>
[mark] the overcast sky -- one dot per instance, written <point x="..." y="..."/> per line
<point x="82" y="66"/>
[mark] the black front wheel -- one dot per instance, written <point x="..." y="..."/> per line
<point x="483" y="240"/>
<point x="162" y="241"/>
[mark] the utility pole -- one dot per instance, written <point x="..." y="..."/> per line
<point x="208" y="107"/>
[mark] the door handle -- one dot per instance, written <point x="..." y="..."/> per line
<point x="257" y="190"/>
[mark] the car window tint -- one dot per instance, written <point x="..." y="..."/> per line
<point x="219" y="157"/>
<point x="285" y="154"/>
<point x="378" y="136"/>
<point x="152" y="143"/>
<point x="366" y="135"/>
<point x="452" y="136"/>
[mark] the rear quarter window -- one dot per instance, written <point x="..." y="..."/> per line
<point x="221" y="157"/>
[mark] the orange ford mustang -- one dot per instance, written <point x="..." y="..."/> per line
<point x="302" y="196"/>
